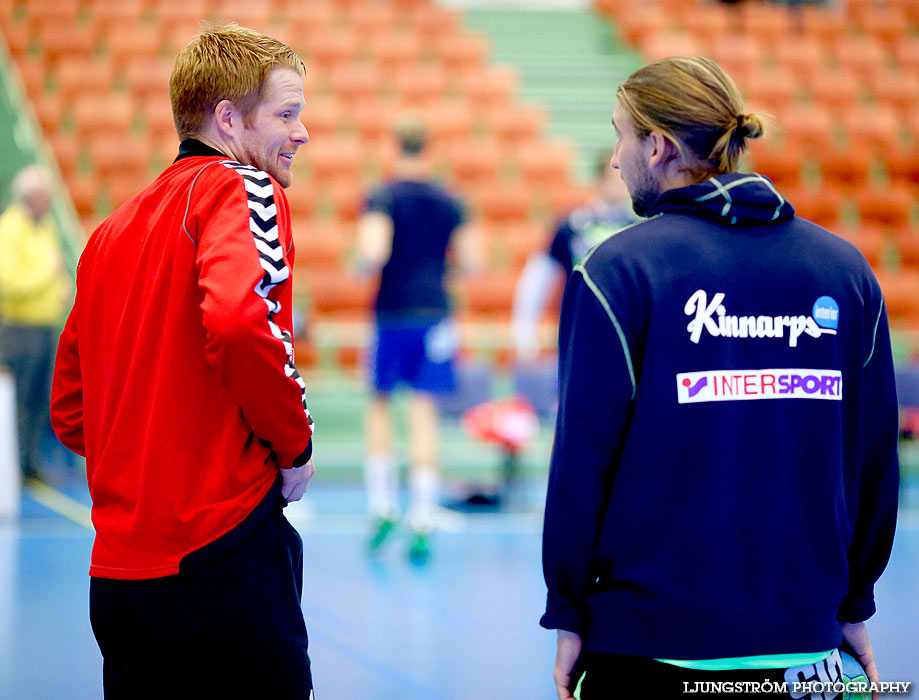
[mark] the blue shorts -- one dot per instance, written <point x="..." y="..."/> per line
<point x="417" y="353"/>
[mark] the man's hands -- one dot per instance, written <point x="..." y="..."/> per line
<point x="569" y="649"/>
<point x="294" y="481"/>
<point x="857" y="636"/>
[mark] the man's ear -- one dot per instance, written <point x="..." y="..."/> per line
<point x="226" y="118"/>
<point x="662" y="150"/>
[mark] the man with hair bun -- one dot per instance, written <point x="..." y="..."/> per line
<point x="175" y="377"/>
<point x="723" y="486"/>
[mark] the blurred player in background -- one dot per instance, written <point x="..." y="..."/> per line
<point x="605" y="213"/>
<point x="175" y="377"/>
<point x="723" y="487"/>
<point x="34" y="293"/>
<point x="409" y="226"/>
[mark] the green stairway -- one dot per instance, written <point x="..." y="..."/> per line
<point x="570" y="62"/>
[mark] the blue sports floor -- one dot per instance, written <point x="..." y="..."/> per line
<point x="463" y="626"/>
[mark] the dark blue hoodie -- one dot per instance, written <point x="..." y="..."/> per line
<point x="724" y="473"/>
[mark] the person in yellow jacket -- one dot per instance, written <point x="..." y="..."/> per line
<point x="34" y="292"/>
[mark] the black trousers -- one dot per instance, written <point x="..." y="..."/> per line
<point x="612" y="676"/>
<point x="28" y="351"/>
<point x="229" y="627"/>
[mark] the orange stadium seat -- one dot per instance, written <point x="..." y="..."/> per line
<point x="821" y="22"/>
<point x="707" y="24"/>
<point x="347" y="200"/>
<point x="116" y="157"/>
<point x="780" y="162"/>
<point x="871" y="241"/>
<point x="804" y="56"/>
<point x="146" y="80"/>
<point x="774" y="90"/>
<point x="323" y="119"/>
<point x="490" y="87"/>
<point x="420" y="86"/>
<point x="864" y="55"/>
<point x="448" y="124"/>
<point x="331" y="292"/>
<point x="34" y="73"/>
<point x="256" y="14"/>
<point x="111" y="116"/>
<point x="112" y="17"/>
<point x="524" y="240"/>
<point x="811" y="126"/>
<point x="658" y="46"/>
<point x="889" y="24"/>
<point x="324" y="50"/>
<point x="157" y="118"/>
<point x="395" y="52"/>
<point x="320" y="252"/>
<point x="847" y="168"/>
<point x="901" y="289"/>
<point x="636" y="22"/>
<point x="433" y="22"/>
<point x="463" y="52"/>
<point x="765" y="23"/>
<point x="79" y="75"/>
<point x="907" y="244"/>
<point x="740" y="56"/>
<point x="18" y="38"/>
<point x="875" y="128"/>
<point x="885" y="206"/>
<point x="373" y="122"/>
<point x="473" y="163"/>
<point x="333" y="159"/>
<point x="565" y="198"/>
<point x="42" y="12"/>
<point x="50" y="111"/>
<point x="84" y="192"/>
<point x="307" y="17"/>
<point x="899" y="90"/>
<point x="822" y="205"/>
<point x="488" y="294"/>
<point x="302" y="199"/>
<point x="66" y="151"/>
<point x="903" y="165"/>
<point x="355" y="84"/>
<point x="144" y="43"/>
<point x="503" y="203"/>
<point x="545" y="165"/>
<point x="373" y="19"/>
<point x="59" y="38"/>
<point x="836" y="89"/>
<point x="518" y="124"/>
<point x="906" y="53"/>
<point x="180" y="19"/>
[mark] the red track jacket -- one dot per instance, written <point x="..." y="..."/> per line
<point x="175" y="373"/>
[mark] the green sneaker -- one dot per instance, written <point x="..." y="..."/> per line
<point x="382" y="527"/>
<point x="419" y="550"/>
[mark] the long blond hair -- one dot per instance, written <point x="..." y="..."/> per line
<point x="695" y="105"/>
<point x="225" y="62"/>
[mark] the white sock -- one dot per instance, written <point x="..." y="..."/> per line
<point x="380" y="479"/>
<point x="424" y="486"/>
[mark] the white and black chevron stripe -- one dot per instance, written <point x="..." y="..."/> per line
<point x="263" y="223"/>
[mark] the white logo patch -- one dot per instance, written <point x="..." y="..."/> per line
<point x="754" y="384"/>
<point x="712" y="316"/>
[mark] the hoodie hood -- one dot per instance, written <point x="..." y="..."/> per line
<point x="734" y="199"/>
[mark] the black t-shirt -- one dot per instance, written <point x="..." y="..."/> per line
<point x="584" y="228"/>
<point x="424" y="217"/>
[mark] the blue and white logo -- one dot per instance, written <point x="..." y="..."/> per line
<point x="826" y="314"/>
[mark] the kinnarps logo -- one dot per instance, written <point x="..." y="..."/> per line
<point x="714" y="318"/>
<point x="754" y="384"/>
